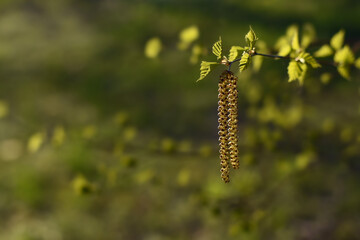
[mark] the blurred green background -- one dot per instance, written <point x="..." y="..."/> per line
<point x="98" y="141"/>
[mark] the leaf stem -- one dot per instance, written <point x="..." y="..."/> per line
<point x="272" y="56"/>
<point x="287" y="57"/>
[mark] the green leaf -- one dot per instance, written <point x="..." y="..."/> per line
<point x="337" y="40"/>
<point x="295" y="41"/>
<point x="308" y="35"/>
<point x="234" y="52"/>
<point x="344" y="71"/>
<point x="294" y="70"/>
<point x="251" y="38"/>
<point x="153" y="47"/>
<point x="217" y="49"/>
<point x="344" y="56"/>
<point x="205" y="69"/>
<point x="187" y="36"/>
<point x="303" y="68"/>
<point x="291" y="30"/>
<point x="245" y="61"/>
<point x="281" y="42"/>
<point x="307" y="58"/>
<point x="324" y="51"/>
<point x="35" y="142"/>
<point x="284" y="50"/>
<point x="357" y="63"/>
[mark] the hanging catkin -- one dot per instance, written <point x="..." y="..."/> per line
<point x="232" y="120"/>
<point x="227" y="113"/>
<point x="222" y="127"/>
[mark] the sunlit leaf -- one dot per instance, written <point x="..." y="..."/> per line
<point x="291" y="31"/>
<point x="357" y="63"/>
<point x="344" y="71"/>
<point x="245" y="61"/>
<point x="187" y="36"/>
<point x="344" y="56"/>
<point x="234" y="52"/>
<point x="308" y="35"/>
<point x="284" y="50"/>
<point x="251" y="38"/>
<point x="295" y="41"/>
<point x="205" y="69"/>
<point x="294" y="70"/>
<point x="303" y="73"/>
<point x="153" y="47"/>
<point x="337" y="40"/>
<point x="324" y="51"/>
<point x="281" y="42"/>
<point x="35" y="142"/>
<point x="217" y="49"/>
<point x="307" y="58"/>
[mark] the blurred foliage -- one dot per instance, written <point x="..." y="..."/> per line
<point x="98" y="141"/>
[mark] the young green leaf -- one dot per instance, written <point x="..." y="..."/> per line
<point x="344" y="56"/>
<point x="295" y="41"/>
<point x="187" y="36"/>
<point x="234" y="52"/>
<point x="308" y="35"/>
<point x="294" y="70"/>
<point x="245" y="61"/>
<point x="324" y="51"/>
<point x="344" y="71"/>
<point x="251" y="38"/>
<point x="284" y="50"/>
<point x="217" y="49"/>
<point x="307" y="58"/>
<point x="303" y="68"/>
<point x="357" y="63"/>
<point x="291" y="30"/>
<point x="337" y="40"/>
<point x="153" y="47"/>
<point x="205" y="69"/>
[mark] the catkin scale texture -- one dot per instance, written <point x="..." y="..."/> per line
<point x="222" y="127"/>
<point x="232" y="120"/>
<point x="227" y="113"/>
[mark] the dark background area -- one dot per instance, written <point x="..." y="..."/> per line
<point x="97" y="141"/>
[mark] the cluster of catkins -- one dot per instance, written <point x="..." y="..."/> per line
<point x="227" y="113"/>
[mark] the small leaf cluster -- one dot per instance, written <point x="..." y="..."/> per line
<point x="244" y="60"/>
<point x="292" y="46"/>
<point x="342" y="54"/>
